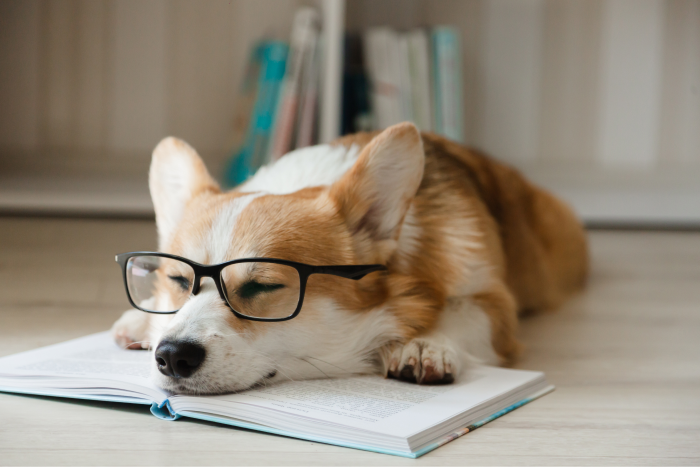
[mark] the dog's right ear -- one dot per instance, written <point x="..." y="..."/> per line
<point x="177" y="176"/>
<point x="375" y="194"/>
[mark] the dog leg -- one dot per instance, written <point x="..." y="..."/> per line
<point x="472" y="329"/>
<point x="500" y="306"/>
<point x="131" y="331"/>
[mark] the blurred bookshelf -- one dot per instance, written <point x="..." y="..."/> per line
<point x="596" y="101"/>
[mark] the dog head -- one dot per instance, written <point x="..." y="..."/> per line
<point x="353" y="218"/>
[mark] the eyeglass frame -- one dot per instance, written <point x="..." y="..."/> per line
<point x="354" y="272"/>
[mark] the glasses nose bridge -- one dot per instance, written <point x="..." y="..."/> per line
<point x="202" y="272"/>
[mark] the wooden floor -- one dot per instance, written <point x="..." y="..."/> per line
<point x="625" y="357"/>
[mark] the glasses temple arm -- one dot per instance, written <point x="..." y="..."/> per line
<point x="349" y="272"/>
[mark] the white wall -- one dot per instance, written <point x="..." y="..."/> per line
<point x="108" y="79"/>
<point x="602" y="107"/>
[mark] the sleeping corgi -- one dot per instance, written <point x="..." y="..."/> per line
<point x="466" y="244"/>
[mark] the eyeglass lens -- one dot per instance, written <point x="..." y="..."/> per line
<point x="262" y="290"/>
<point x="157" y="284"/>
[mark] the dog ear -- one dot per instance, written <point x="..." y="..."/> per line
<point x="177" y="175"/>
<point x="376" y="192"/>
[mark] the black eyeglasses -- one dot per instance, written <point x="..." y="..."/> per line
<point x="259" y="289"/>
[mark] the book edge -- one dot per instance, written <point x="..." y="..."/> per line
<point x="289" y="434"/>
<point x="459" y="433"/>
<point x="409" y="454"/>
<point x="60" y="395"/>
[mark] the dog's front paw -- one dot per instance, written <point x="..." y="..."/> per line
<point x="423" y="361"/>
<point x="131" y="330"/>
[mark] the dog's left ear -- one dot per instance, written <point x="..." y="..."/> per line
<point x="177" y="176"/>
<point x="374" y="195"/>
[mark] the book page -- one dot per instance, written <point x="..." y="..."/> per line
<point x="75" y="363"/>
<point x="367" y="398"/>
<point x="369" y="403"/>
<point x="377" y="404"/>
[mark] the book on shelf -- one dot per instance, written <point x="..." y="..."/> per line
<point x="272" y="57"/>
<point x="389" y="77"/>
<point x="362" y="412"/>
<point x="279" y="110"/>
<point x="381" y="49"/>
<point x="419" y="68"/>
<point x="303" y="42"/>
<point x="447" y="82"/>
<point x="246" y="96"/>
<point x="416" y="76"/>
<point x="310" y="84"/>
<point x="405" y="79"/>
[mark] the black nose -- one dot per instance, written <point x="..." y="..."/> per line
<point x="179" y="359"/>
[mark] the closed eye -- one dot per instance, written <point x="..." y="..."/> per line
<point x="181" y="281"/>
<point x="252" y="288"/>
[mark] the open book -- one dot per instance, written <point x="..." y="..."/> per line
<point x="362" y="412"/>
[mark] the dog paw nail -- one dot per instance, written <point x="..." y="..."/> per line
<point x="407" y="374"/>
<point x="430" y="375"/>
<point x="412" y="362"/>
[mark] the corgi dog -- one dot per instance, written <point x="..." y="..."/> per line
<point x="468" y="245"/>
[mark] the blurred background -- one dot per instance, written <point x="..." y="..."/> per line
<point x="598" y="100"/>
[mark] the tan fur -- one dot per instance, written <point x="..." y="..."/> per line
<point x="533" y="242"/>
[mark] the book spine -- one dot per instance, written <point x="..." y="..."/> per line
<point x="448" y="83"/>
<point x="164" y="411"/>
<point x="436" y="88"/>
<point x="309" y="96"/>
<point x="405" y="79"/>
<point x="301" y="47"/>
<point x="246" y="96"/>
<point x="243" y="120"/>
<point x="253" y="153"/>
<point x="273" y="73"/>
<point x="381" y="50"/>
<point x="393" y="63"/>
<point x="419" y="59"/>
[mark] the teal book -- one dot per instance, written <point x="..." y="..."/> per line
<point x="271" y="59"/>
<point x="361" y="412"/>
<point x="447" y="83"/>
